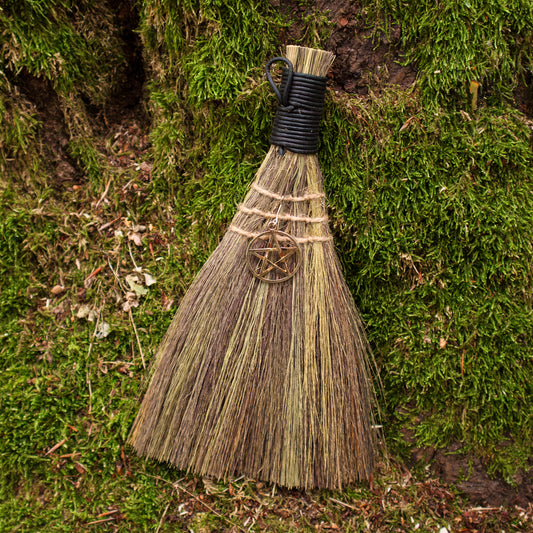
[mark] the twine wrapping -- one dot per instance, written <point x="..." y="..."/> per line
<point x="288" y="198"/>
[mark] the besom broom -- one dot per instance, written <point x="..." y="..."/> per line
<point x="263" y="371"/>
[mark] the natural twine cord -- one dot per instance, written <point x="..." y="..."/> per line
<point x="304" y="198"/>
<point x="299" y="240"/>
<point x="292" y="218"/>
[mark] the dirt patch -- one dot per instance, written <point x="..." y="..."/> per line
<point x="363" y="59"/>
<point x="55" y="137"/>
<point x="129" y="93"/>
<point x="468" y="473"/>
<point x="523" y="94"/>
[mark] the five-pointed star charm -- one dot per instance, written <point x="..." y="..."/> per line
<point x="273" y="256"/>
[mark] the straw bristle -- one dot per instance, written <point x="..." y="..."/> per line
<point x="259" y="379"/>
<point x="309" y="60"/>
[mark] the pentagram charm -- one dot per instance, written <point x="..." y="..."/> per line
<point x="273" y="256"/>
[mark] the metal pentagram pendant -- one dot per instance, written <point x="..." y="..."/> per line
<point x="273" y="256"/>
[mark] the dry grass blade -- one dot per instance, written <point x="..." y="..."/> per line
<point x="102" y="521"/>
<point x="162" y="518"/>
<point x="137" y="338"/>
<point x="268" y="380"/>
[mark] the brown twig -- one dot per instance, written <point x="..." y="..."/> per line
<point x="94" y="273"/>
<point x="106" y="190"/>
<point x="109" y="224"/>
<point x="101" y="521"/>
<point x="55" y="447"/>
<point x="69" y="455"/>
<point x="88" y="374"/>
<point x="88" y="280"/>
<point x="137" y="337"/>
<point x="344" y="504"/>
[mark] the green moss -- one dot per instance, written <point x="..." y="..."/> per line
<point x="83" y="151"/>
<point x="202" y="104"/>
<point x="17" y="117"/>
<point x="215" y="45"/>
<point x="455" y="42"/>
<point x="430" y="204"/>
<point x="432" y="224"/>
<point x="65" y="42"/>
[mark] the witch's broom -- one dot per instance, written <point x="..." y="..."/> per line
<point x="263" y="370"/>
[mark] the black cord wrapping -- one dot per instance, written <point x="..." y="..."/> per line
<point x="300" y="104"/>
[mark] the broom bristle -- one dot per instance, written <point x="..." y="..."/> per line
<point x="267" y="380"/>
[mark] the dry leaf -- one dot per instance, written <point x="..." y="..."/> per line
<point x="149" y="279"/>
<point x="132" y="300"/>
<point x="407" y="123"/>
<point x="138" y="289"/>
<point x="136" y="238"/>
<point x="84" y="311"/>
<point x="166" y="302"/>
<point x="103" y="330"/>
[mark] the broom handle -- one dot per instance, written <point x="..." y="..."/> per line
<point x="301" y="100"/>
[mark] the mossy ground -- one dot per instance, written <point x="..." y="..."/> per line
<point x="431" y="206"/>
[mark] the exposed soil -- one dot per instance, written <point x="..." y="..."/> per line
<point x="129" y="90"/>
<point x="41" y="94"/>
<point x="523" y="95"/>
<point x="468" y="473"/>
<point x="470" y="476"/>
<point x="362" y="58"/>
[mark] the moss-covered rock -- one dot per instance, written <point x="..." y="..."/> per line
<point x="74" y="52"/>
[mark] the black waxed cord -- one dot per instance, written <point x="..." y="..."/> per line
<point x="282" y="98"/>
<point x="299" y="112"/>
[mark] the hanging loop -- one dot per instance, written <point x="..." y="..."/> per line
<point x="283" y="99"/>
<point x="300" y="104"/>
